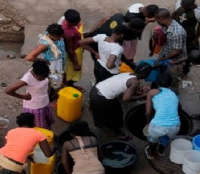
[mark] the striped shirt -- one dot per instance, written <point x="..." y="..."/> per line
<point x="175" y="40"/>
<point x="165" y="104"/>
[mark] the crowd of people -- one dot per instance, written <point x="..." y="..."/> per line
<point x="112" y="41"/>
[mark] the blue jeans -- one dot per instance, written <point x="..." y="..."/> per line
<point x="161" y="134"/>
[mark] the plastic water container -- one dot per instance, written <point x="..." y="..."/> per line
<point x="38" y="156"/>
<point x="125" y="68"/>
<point x="43" y="165"/>
<point x="49" y="134"/>
<point x="178" y="149"/>
<point x="196" y="142"/>
<point x="47" y="168"/>
<point x="69" y="104"/>
<point x="191" y="164"/>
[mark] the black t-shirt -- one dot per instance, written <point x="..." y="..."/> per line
<point x="130" y="35"/>
<point x="110" y="24"/>
<point x="187" y="20"/>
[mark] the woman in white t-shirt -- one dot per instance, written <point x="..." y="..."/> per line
<point x="36" y="99"/>
<point x="110" y="51"/>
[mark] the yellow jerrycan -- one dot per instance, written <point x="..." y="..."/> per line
<point x="125" y="68"/>
<point x="42" y="164"/>
<point x="69" y="104"/>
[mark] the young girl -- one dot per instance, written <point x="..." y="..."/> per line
<point x="36" y="99"/>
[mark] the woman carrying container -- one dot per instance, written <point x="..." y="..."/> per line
<point x="20" y="142"/>
<point x="166" y="123"/>
<point x="83" y="149"/>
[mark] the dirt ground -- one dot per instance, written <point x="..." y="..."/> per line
<point x="12" y="67"/>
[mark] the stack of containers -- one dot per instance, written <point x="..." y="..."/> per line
<point x="186" y="153"/>
<point x="191" y="164"/>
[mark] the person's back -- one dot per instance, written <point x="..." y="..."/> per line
<point x="83" y="149"/>
<point x="165" y="104"/>
<point x="165" y="124"/>
<point x="85" y="153"/>
<point x="110" y="23"/>
<point x="107" y="26"/>
<point x="188" y="18"/>
<point x="20" y="142"/>
<point x="114" y="86"/>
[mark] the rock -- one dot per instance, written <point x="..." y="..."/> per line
<point x="4" y="20"/>
<point x="16" y="28"/>
<point x="9" y="15"/>
<point x="11" y="56"/>
<point x="21" y="23"/>
<point x="3" y="85"/>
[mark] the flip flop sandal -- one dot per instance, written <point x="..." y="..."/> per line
<point x="146" y="150"/>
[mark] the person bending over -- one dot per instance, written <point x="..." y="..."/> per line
<point x="165" y="123"/>
<point x="83" y="149"/>
<point x="20" y="142"/>
<point x="106" y="109"/>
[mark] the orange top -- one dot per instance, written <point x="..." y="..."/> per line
<point x="20" y="142"/>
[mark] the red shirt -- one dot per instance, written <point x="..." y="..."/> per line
<point x="73" y="32"/>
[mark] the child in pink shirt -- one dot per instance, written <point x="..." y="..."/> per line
<point x="36" y="99"/>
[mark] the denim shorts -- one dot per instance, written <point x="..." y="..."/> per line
<point x="157" y="132"/>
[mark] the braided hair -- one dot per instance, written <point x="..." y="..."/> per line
<point x="55" y="29"/>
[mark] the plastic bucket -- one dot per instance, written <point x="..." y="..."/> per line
<point x="196" y="142"/>
<point x="178" y="149"/>
<point x="191" y="164"/>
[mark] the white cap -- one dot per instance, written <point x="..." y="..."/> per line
<point x="135" y="8"/>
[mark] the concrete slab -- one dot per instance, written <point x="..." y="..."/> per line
<point x="31" y="37"/>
